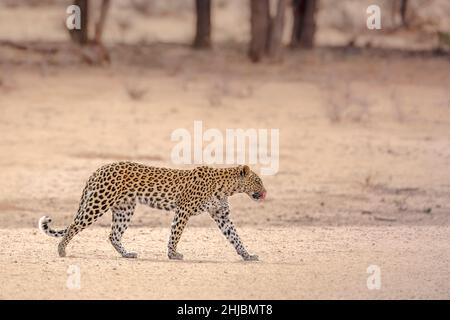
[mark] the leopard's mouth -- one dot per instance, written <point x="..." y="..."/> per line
<point x="258" y="196"/>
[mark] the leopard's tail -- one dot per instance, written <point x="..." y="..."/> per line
<point x="44" y="227"/>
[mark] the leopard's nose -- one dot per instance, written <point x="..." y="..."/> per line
<point x="259" y="195"/>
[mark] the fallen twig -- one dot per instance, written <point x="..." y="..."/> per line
<point x="384" y="219"/>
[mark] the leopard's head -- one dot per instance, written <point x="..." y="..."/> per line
<point x="251" y="184"/>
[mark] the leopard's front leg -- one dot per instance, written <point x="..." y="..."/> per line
<point x="178" y="224"/>
<point x="222" y="219"/>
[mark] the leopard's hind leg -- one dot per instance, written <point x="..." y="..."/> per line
<point x="121" y="216"/>
<point x="89" y="211"/>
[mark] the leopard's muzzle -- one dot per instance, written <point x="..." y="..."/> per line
<point x="259" y="196"/>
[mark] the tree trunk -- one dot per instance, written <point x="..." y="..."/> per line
<point x="304" y="27"/>
<point x="203" y="28"/>
<point x="259" y="26"/>
<point x="99" y="26"/>
<point x="276" y="31"/>
<point x="403" y="10"/>
<point x="81" y="36"/>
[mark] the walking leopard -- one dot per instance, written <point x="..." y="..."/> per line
<point x="120" y="186"/>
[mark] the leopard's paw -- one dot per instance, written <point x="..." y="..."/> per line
<point x="130" y="255"/>
<point x="251" y="257"/>
<point x="175" y="256"/>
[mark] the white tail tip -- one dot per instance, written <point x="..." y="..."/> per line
<point x="42" y="221"/>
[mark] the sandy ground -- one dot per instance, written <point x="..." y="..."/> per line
<point x="372" y="158"/>
<point x="296" y="263"/>
<point x="363" y="177"/>
<point x="361" y="138"/>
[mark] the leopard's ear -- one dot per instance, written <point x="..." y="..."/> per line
<point x="245" y="171"/>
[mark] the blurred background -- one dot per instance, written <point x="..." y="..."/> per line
<point x="364" y="115"/>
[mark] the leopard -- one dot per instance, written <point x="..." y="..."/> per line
<point x="118" y="187"/>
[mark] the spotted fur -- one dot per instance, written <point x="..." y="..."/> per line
<point x="120" y="186"/>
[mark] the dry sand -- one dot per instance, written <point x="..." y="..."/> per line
<point x="296" y="263"/>
<point x="361" y="138"/>
<point x="372" y="158"/>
